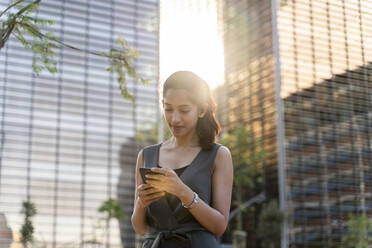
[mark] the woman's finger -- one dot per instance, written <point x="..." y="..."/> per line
<point x="148" y="194"/>
<point x="157" y="194"/>
<point x="152" y="190"/>
<point x="156" y="183"/>
<point x="164" y="171"/>
<point x="144" y="186"/>
<point x="154" y="177"/>
<point x="159" y="176"/>
<point x="158" y="170"/>
<point x="152" y="197"/>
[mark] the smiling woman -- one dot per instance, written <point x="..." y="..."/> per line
<point x="188" y="103"/>
<point x="187" y="203"/>
<point x="189" y="39"/>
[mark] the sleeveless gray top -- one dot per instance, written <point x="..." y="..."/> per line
<point x="167" y="215"/>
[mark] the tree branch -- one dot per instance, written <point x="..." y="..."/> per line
<point x="38" y="33"/>
<point x="11" y="6"/>
<point x="20" y="12"/>
<point x="118" y="58"/>
<point x="5" y="35"/>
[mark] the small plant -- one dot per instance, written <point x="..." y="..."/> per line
<point x="112" y="209"/>
<point x="270" y="225"/>
<point x="27" y="229"/>
<point x="247" y="155"/>
<point x="359" y="233"/>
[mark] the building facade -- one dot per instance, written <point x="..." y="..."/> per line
<point x="298" y="76"/>
<point x="249" y="91"/>
<point x="325" y="53"/>
<point x="67" y="139"/>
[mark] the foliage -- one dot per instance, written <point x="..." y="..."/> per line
<point x="24" y="25"/>
<point x="120" y="59"/>
<point x="247" y="156"/>
<point x="27" y="229"/>
<point x="112" y="209"/>
<point x="359" y="233"/>
<point x="270" y="224"/>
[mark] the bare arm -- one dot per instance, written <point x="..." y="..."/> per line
<point x="142" y="198"/>
<point x="215" y="218"/>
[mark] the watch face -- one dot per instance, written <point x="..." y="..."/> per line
<point x="195" y="200"/>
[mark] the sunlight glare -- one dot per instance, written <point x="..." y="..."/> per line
<point x="189" y="40"/>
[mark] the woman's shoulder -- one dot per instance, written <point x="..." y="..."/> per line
<point x="220" y="147"/>
<point x="148" y="148"/>
<point x="222" y="150"/>
<point x="223" y="159"/>
<point x="146" y="151"/>
<point x="151" y="146"/>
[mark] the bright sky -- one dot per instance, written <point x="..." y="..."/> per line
<point x="189" y="39"/>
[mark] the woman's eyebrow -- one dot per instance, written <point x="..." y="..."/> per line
<point x="182" y="105"/>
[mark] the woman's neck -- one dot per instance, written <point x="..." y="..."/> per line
<point x="184" y="142"/>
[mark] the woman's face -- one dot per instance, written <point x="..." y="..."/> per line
<point x="180" y="112"/>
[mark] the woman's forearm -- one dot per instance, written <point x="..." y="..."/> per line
<point x="207" y="216"/>
<point x="138" y="218"/>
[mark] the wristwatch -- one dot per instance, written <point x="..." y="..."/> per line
<point x="194" y="201"/>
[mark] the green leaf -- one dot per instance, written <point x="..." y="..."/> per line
<point x="29" y="9"/>
<point x="52" y="69"/>
<point x="112" y="209"/>
<point x="358" y="232"/>
<point x="42" y="22"/>
<point x="120" y="40"/>
<point x="37" y="68"/>
<point x="270" y="223"/>
<point x="145" y="81"/>
<point x="21" y="38"/>
<point x="134" y="53"/>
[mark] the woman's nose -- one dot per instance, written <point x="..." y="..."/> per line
<point x="175" y="117"/>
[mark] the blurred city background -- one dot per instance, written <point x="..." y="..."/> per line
<point x="293" y="84"/>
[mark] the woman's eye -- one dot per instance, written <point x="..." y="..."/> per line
<point x="182" y="111"/>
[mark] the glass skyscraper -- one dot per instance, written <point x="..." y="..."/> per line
<point x="67" y="139"/>
<point x="325" y="52"/>
<point x="298" y="75"/>
<point x="248" y="95"/>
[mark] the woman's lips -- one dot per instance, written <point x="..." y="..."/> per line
<point x="177" y="127"/>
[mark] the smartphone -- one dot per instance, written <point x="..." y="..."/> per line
<point x="145" y="171"/>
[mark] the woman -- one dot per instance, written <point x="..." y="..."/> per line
<point x="188" y="203"/>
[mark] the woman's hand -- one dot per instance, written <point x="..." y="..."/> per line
<point x="148" y="194"/>
<point x="167" y="181"/>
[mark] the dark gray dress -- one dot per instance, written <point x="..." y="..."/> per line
<point x="166" y="216"/>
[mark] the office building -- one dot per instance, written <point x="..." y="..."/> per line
<point x="67" y="139"/>
<point x="298" y="76"/>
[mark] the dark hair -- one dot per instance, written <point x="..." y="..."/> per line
<point x="207" y="127"/>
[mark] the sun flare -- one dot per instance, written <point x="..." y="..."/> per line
<point x="189" y="40"/>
